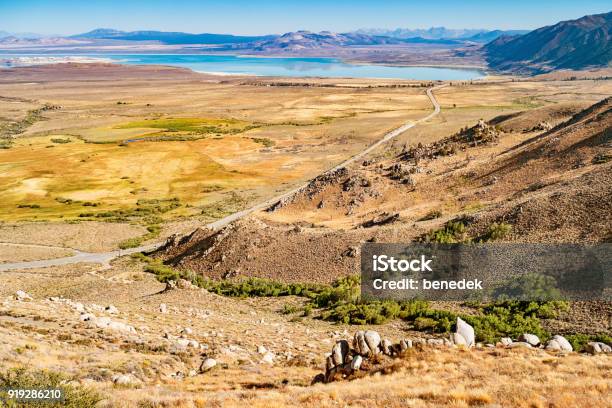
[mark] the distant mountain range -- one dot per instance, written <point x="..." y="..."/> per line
<point x="574" y="44"/>
<point x="299" y="40"/>
<point x="169" y="37"/>
<point x="4" y="34"/>
<point x="443" y="33"/>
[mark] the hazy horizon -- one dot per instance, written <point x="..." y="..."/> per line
<point x="63" y="17"/>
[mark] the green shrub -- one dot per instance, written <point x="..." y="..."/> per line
<point x="341" y="302"/>
<point x="497" y="231"/>
<point x="162" y="272"/>
<point x="452" y="233"/>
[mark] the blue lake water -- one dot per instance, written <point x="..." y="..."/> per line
<point x="289" y="67"/>
<point x="297" y="67"/>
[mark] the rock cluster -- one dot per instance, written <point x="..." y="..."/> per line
<point x="345" y="361"/>
<point x="542" y="126"/>
<point x="367" y="347"/>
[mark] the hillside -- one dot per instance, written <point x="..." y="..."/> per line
<point x="574" y="44"/>
<point x="549" y="180"/>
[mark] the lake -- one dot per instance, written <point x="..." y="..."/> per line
<point x="272" y="66"/>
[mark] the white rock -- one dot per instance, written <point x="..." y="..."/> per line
<point x="268" y="358"/>
<point x="111" y="309"/>
<point x="125" y="379"/>
<point x="207" y="364"/>
<point x="163" y="308"/>
<point x="553" y="345"/>
<point x="386" y="346"/>
<point x="78" y="307"/>
<point x="466" y="331"/>
<point x="340" y="352"/>
<point x="563" y="343"/>
<point x="359" y="343"/>
<point x="530" y="338"/>
<point x="122" y="327"/>
<point x="405" y="344"/>
<point x="102" y="322"/>
<point x="356" y="363"/>
<point x="506" y="341"/>
<point x="192" y="373"/>
<point x="85" y="317"/>
<point x="187" y="330"/>
<point x="262" y="349"/>
<point x="22" y="296"/>
<point x="372" y="339"/>
<point x="183" y="342"/>
<point x="458" y="339"/>
<point x="596" y="347"/>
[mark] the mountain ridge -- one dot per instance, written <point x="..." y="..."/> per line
<point x="167" y="37"/>
<point x="571" y="44"/>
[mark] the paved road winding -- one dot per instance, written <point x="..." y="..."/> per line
<point x="104" y="258"/>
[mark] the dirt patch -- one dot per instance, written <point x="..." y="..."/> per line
<point x="84" y="236"/>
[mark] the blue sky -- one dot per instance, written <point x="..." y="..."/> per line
<point x="273" y="16"/>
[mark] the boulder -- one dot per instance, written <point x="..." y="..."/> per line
<point x="466" y="331"/>
<point x="340" y="352"/>
<point x="405" y="344"/>
<point x="372" y="339"/>
<point x="356" y="363"/>
<point x="553" y="345"/>
<point x="207" y="364"/>
<point x="102" y="322"/>
<point x="184" y="343"/>
<point x="562" y="341"/>
<point x="121" y="327"/>
<point x="86" y="317"/>
<point x="506" y="341"/>
<point x="597" y="347"/>
<point x="359" y="343"/>
<point x="22" y="296"/>
<point x="111" y="309"/>
<point x="268" y="358"/>
<point x="387" y="347"/>
<point x="530" y="338"/>
<point x="458" y="340"/>
<point x="125" y="379"/>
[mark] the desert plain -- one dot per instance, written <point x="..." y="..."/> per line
<point x="101" y="157"/>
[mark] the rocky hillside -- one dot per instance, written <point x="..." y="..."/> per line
<point x="545" y="172"/>
<point x="574" y="44"/>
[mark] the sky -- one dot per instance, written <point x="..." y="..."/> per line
<point x="254" y="17"/>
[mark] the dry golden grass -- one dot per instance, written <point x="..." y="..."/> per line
<point x="251" y="139"/>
